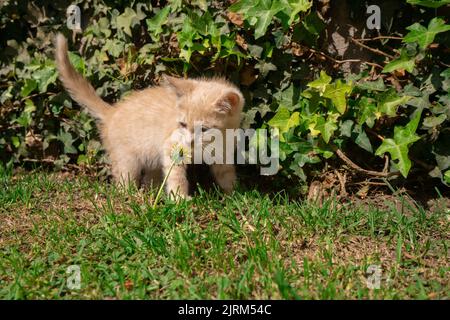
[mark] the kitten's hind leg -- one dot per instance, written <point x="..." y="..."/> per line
<point x="126" y="171"/>
<point x="225" y="175"/>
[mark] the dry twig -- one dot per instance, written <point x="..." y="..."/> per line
<point x="359" y="169"/>
<point x="372" y="49"/>
<point x="380" y="38"/>
<point x="331" y="58"/>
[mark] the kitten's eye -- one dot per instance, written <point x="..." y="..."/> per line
<point x="182" y="124"/>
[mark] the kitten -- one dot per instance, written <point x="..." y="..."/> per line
<point x="137" y="132"/>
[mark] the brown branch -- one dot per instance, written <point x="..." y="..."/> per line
<point x="368" y="183"/>
<point x="359" y="169"/>
<point x="386" y="163"/>
<point x="373" y="64"/>
<point x="313" y="51"/>
<point x="371" y="49"/>
<point x="380" y="38"/>
<point x="331" y="58"/>
<point x="342" y="181"/>
<point x="38" y="94"/>
<point x="372" y="132"/>
<point x="52" y="161"/>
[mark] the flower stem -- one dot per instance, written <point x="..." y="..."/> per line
<point x="158" y="195"/>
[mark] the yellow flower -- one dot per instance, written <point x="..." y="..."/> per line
<point x="180" y="154"/>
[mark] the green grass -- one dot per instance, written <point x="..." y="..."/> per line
<point x="242" y="246"/>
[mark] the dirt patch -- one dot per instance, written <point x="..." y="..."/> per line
<point x="356" y="250"/>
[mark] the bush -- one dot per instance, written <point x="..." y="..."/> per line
<point x="397" y="107"/>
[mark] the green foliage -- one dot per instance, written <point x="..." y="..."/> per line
<point x="267" y="47"/>
<point x="261" y="13"/>
<point x="337" y="114"/>
<point x="429" y="3"/>
<point x="447" y="177"/>
<point x="404" y="62"/>
<point x="425" y="36"/>
<point x="398" y="147"/>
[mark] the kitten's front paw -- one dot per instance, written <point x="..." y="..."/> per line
<point x="228" y="188"/>
<point x="179" y="196"/>
<point x="225" y="177"/>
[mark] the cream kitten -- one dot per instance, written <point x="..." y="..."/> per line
<point x="137" y="132"/>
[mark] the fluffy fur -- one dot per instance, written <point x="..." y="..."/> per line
<point x="137" y="132"/>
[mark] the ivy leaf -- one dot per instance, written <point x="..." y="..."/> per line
<point x="154" y="24"/>
<point x="367" y="112"/>
<point x="258" y="13"/>
<point x="45" y="77"/>
<point x="186" y="40"/>
<point x="29" y="86"/>
<point x="297" y="6"/>
<point x="288" y="98"/>
<point x="390" y="101"/>
<point x="422" y="102"/>
<point x="298" y="171"/>
<point x="446" y="73"/>
<point x="114" y="47"/>
<point x="26" y="118"/>
<point x="127" y="20"/>
<point x="265" y="67"/>
<point x="431" y="122"/>
<point x="425" y="36"/>
<point x="403" y="63"/>
<point x="15" y="141"/>
<point x="441" y="151"/>
<point x="321" y="83"/>
<point x="429" y="3"/>
<point x="338" y="92"/>
<point x="309" y="30"/>
<point x="305" y="154"/>
<point x="249" y="116"/>
<point x="66" y="138"/>
<point x="372" y="85"/>
<point x="446" y="82"/>
<point x="242" y="6"/>
<point x="284" y="120"/>
<point x="362" y="139"/>
<point x="447" y="177"/>
<point x="267" y="9"/>
<point x="255" y="51"/>
<point x="346" y="128"/>
<point x="325" y="127"/>
<point x="398" y="147"/>
<point x="202" y="4"/>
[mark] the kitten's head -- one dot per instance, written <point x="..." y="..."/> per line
<point x="211" y="103"/>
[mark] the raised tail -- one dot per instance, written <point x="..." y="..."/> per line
<point x="79" y="88"/>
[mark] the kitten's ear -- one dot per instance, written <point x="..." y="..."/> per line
<point x="230" y="102"/>
<point x="180" y="85"/>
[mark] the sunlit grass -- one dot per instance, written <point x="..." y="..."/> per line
<point x="242" y="246"/>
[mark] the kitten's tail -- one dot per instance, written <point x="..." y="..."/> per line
<point x="79" y="88"/>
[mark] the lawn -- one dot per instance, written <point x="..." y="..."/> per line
<point x="243" y="246"/>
